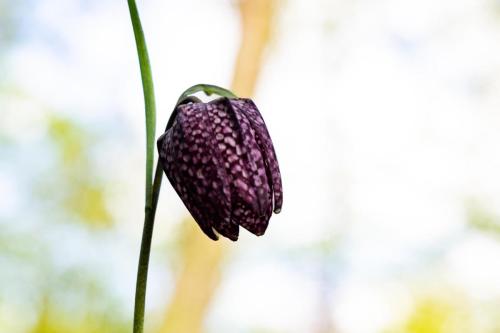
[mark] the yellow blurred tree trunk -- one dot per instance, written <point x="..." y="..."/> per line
<point x="256" y="18"/>
<point x="202" y="258"/>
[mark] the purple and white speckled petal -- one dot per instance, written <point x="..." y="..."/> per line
<point x="201" y="181"/>
<point x="252" y="203"/>
<point x="170" y="154"/>
<point x="263" y="139"/>
<point x="219" y="181"/>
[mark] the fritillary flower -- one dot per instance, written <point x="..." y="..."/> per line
<point x="220" y="159"/>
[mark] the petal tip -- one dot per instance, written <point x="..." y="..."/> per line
<point x="260" y="233"/>
<point x="213" y="237"/>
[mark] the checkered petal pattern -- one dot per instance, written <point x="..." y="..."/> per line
<point x="220" y="159"/>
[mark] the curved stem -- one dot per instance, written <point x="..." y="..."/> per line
<point x="149" y="95"/>
<point x="152" y="188"/>
<point x="208" y="89"/>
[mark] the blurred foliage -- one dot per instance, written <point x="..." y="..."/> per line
<point x="51" y="298"/>
<point x="53" y="293"/>
<point x="435" y="315"/>
<point x="482" y="219"/>
<point x="449" y="311"/>
<point x="78" y="304"/>
<point x="83" y="192"/>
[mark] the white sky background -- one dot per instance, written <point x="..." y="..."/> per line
<point x="384" y="115"/>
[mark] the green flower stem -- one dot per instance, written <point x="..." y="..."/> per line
<point x="149" y="95"/>
<point x="152" y="188"/>
<point x="142" y="270"/>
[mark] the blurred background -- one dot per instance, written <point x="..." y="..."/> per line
<point x="385" y="118"/>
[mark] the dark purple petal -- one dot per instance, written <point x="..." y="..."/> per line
<point x="169" y="151"/>
<point x="192" y="166"/>
<point x="252" y="201"/>
<point x="263" y="139"/>
<point x="224" y="226"/>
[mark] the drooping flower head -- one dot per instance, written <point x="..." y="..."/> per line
<point x="220" y="159"/>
